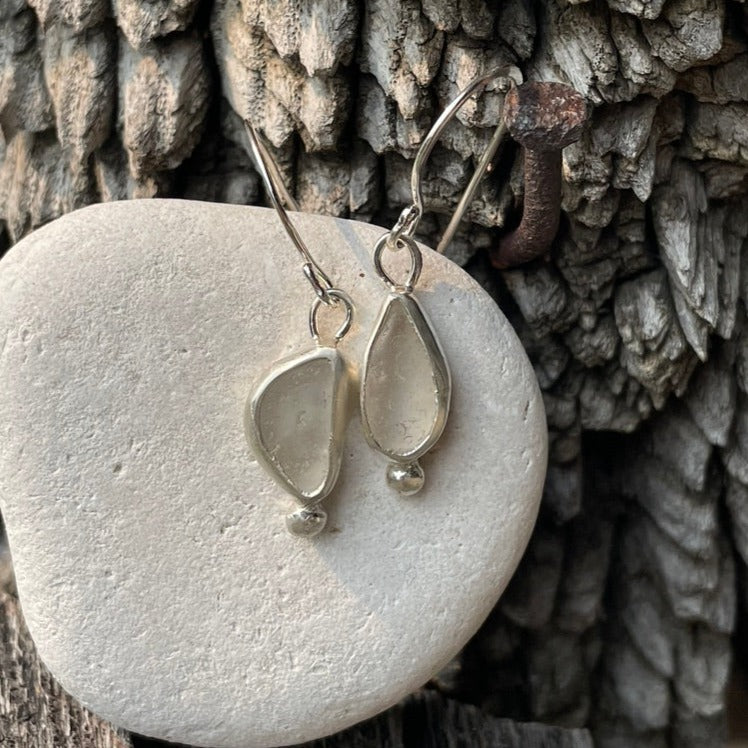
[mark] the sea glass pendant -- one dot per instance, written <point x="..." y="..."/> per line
<point x="295" y="422"/>
<point x="405" y="390"/>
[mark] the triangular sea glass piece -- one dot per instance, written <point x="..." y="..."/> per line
<point x="406" y="387"/>
<point x="295" y="422"/>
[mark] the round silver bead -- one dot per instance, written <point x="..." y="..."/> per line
<point x="407" y="478"/>
<point x="307" y="521"/>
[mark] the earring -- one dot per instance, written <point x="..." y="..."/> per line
<point x="406" y="384"/>
<point x="295" y="417"/>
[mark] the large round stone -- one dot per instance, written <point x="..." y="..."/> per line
<point x="153" y="562"/>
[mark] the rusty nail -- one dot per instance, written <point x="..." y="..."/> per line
<point x="543" y="118"/>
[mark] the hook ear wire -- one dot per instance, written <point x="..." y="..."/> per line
<point x="508" y="76"/>
<point x="268" y="169"/>
<point x="278" y="194"/>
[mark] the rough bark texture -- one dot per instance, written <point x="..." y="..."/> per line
<point x="620" y="618"/>
<point x="429" y="720"/>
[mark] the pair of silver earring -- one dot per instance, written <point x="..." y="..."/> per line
<point x="295" y="418"/>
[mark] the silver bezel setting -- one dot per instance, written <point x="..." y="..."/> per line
<point x="336" y="431"/>
<point x="440" y="372"/>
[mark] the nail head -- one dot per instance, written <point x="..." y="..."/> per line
<point x="545" y="116"/>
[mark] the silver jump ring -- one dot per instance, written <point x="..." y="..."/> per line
<point x="338" y="296"/>
<point x="416" y="264"/>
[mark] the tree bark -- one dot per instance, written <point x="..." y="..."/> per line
<point x="621" y="615"/>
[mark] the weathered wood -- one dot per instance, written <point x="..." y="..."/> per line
<point x="428" y="720"/>
<point x="621" y="613"/>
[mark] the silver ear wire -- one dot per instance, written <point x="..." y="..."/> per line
<point x="505" y="78"/>
<point x="278" y="194"/>
<point x="511" y="76"/>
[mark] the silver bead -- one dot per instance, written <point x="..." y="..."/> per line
<point x="406" y="478"/>
<point x="307" y="521"/>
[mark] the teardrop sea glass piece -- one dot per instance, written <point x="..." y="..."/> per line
<point x="406" y="387"/>
<point x="295" y="422"/>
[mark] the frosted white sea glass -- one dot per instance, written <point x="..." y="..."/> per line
<point x="405" y="387"/>
<point x="295" y="422"/>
